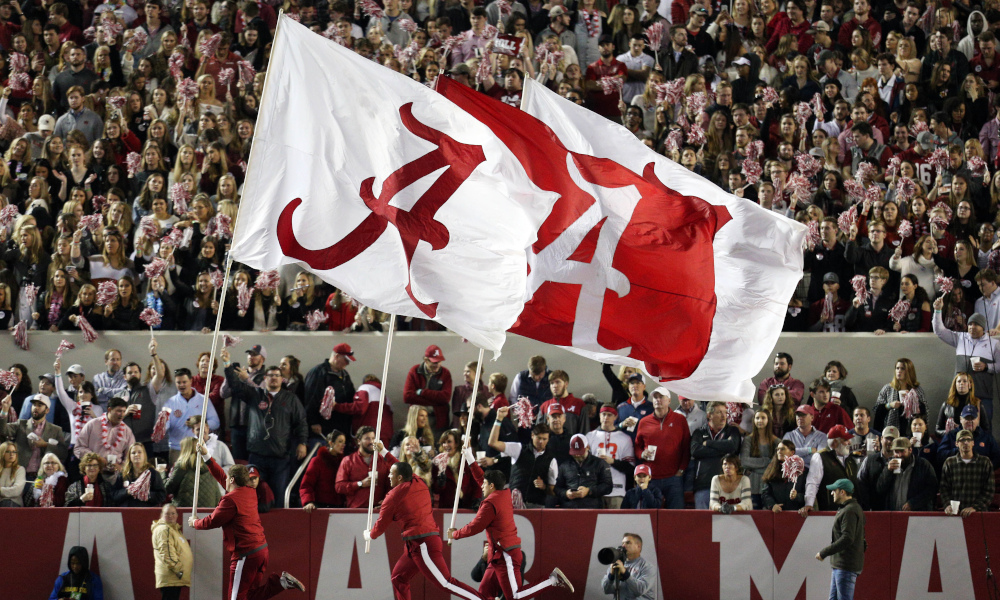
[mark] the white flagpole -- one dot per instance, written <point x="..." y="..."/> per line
<point x="378" y="428"/>
<point x="468" y="432"/>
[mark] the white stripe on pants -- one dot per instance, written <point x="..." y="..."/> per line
<point x="513" y="581"/>
<point x="429" y="563"/>
<point x="236" y="578"/>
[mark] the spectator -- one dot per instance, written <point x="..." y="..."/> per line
<point x="847" y="552"/>
<point x="214" y="393"/>
<point x="318" y="488"/>
<point x="111" y="381"/>
<point x="782" y="375"/>
<point x="51" y="483"/>
<point x="634" y="579"/>
<point x="989" y="304"/>
<point x="364" y="408"/>
<point x="835" y="374"/>
<point x="962" y="393"/>
<point x="532" y="474"/>
<point x="731" y="488"/>
<point x="663" y="440"/>
<point x="827" y="466"/>
<point x="923" y="443"/>
<point x="276" y="423"/>
<point x="417" y="426"/>
<point x="559" y="437"/>
<point x="35" y="436"/>
<point x="108" y="436"/>
<point x="217" y="449"/>
<point x="429" y="384"/>
<point x="12" y="477"/>
<point x="759" y="445"/>
<point x="778" y="403"/>
<point x="78" y="581"/>
<point x="445" y="474"/>
<point x="142" y="409"/>
<point x="573" y="406"/>
<point x="976" y="353"/>
<point x="619" y="383"/>
<point x="636" y="407"/>
<point x="81" y="406"/>
<point x="532" y="383"/>
<point x="94" y="490"/>
<point x="864" y="436"/>
<point x="889" y="410"/>
<point x="967" y="478"/>
<point x="807" y="439"/>
<point x="777" y="493"/>
<point x="583" y="481"/>
<point x="985" y="444"/>
<point x="871" y="469"/>
<point x="184" y="405"/>
<point x="643" y="495"/>
<point x="419" y="460"/>
<point x="180" y="483"/>
<point x="695" y="416"/>
<point x="265" y="497"/>
<point x="172" y="556"/>
<point x="614" y="447"/>
<point x="330" y="373"/>
<point x="709" y="445"/>
<point x="873" y="314"/>
<point x="828" y="414"/>
<point x="461" y="394"/>
<point x="139" y="483"/>
<point x="238" y="416"/>
<point x="354" y="475"/>
<point x="908" y="483"/>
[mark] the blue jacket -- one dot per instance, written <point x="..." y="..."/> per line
<point x="626" y="410"/>
<point x="649" y="498"/>
<point x="982" y="443"/>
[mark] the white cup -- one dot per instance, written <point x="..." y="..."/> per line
<point x="651" y="452"/>
<point x="112" y="459"/>
<point x="871" y="444"/>
<point x="90" y="488"/>
<point x="919" y="436"/>
<point x="975" y="360"/>
<point x="632" y="422"/>
<point x="480" y="455"/>
<point x="954" y="506"/>
<point x="601" y="452"/>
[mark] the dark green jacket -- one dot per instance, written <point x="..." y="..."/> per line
<point x="847" y="550"/>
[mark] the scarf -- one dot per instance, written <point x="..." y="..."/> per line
<point x="105" y="428"/>
<point x="36" y="452"/>
<point x="79" y="419"/>
<point x="592" y="18"/>
<point x="139" y="489"/>
<point x="46" y="495"/>
<point x="828" y="313"/>
<point x="55" y="308"/>
<point x="98" y="499"/>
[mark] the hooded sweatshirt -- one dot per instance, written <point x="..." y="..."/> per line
<point x="967" y="45"/>
<point x="86" y="584"/>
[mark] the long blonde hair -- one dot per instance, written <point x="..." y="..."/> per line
<point x="131" y="471"/>
<point x="3" y="458"/>
<point x="189" y="454"/>
<point x="426" y="436"/>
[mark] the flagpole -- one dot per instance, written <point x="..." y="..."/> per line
<point x="468" y="432"/>
<point x="378" y="428"/>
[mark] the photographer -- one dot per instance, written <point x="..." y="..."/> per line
<point x="633" y="577"/>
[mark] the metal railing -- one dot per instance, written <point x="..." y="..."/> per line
<point x="299" y="472"/>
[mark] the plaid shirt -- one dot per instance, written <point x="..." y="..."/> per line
<point x="970" y="483"/>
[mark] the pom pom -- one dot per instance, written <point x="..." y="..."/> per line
<point x="18" y="62"/>
<point x="175" y="64"/>
<point x="675" y="139"/>
<point x="210" y="44"/>
<point x="107" y="291"/>
<point x="90" y="33"/>
<point x="799" y="188"/>
<point x="315" y="318"/>
<point x="813" y="237"/>
<point x="872" y="195"/>
<point x="370" y="8"/>
<point x="918" y="128"/>
<point x="173" y="239"/>
<point x="948" y="214"/>
<point x="8" y="379"/>
<point x="221" y="226"/>
<point x="675" y="90"/>
<point x="180" y="196"/>
<point x="8" y="215"/>
<point x="755" y="150"/>
<point x="945" y="284"/>
<point x="332" y="33"/>
<point x="802" y="113"/>
<point x="440" y="461"/>
<point x="769" y="96"/>
<point x="940" y="159"/>
<point x="485" y="69"/>
<point x="228" y="341"/>
<point x="226" y="77"/>
<point x="793" y="467"/>
<point x="911" y="403"/>
<point x="827" y="314"/>
<point x="267" y="280"/>
<point x="149" y="228"/>
<point x="904" y="229"/>
<point x="138" y="40"/>
<point x="866" y="172"/>
<point x="855" y="190"/>
<point x="30" y="293"/>
<point x="247" y="72"/>
<point x="90" y="222"/>
<point x="906" y="188"/>
<point x="20" y="82"/>
<point x="505" y="8"/>
<point x="243" y="296"/>
<point x="218" y="279"/>
<point x="893" y="169"/>
<point x="133" y="162"/>
<point x="847" y="219"/>
<point x="978" y="167"/>
<point x="160" y="427"/>
<point x="187" y="89"/>
<point x="697" y="102"/>
<point x="156" y="268"/>
<point x="408" y="25"/>
<point x="89" y="335"/>
<point x="898" y="312"/>
<point x="139" y="489"/>
<point x="860" y="283"/>
<point x="99" y="202"/>
<point x="818" y="108"/>
<point x="329" y="399"/>
<point x="21" y="335"/>
<point x="752" y="171"/>
<point x="696" y="135"/>
<point x="150" y="317"/>
<point x="808" y="165"/>
<point x="116" y="103"/>
<point x="524" y="412"/>
<point x="64" y="347"/>
<point x="611" y="85"/>
<point x="654" y="35"/>
<point x="939" y="222"/>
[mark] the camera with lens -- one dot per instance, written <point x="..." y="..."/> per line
<point x="727" y="509"/>
<point x="608" y="556"/>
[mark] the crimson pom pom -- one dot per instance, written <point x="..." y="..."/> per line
<point x="268" y="280"/>
<point x="904" y="229"/>
<point x="21" y="335"/>
<point x="859" y="283"/>
<point x="674" y="140"/>
<point x="855" y="190"/>
<point x="175" y="64"/>
<point x="315" y="318"/>
<point x="116" y="102"/>
<point x="696" y="135"/>
<point x="30" y="293"/>
<point x="138" y="40"/>
<point x="20" y="82"/>
<point x="18" y="62"/>
<point x="911" y="403"/>
<point x="611" y="85"/>
<point x="906" y="188"/>
<point x="485" y="68"/>
<point x="793" y="467"/>
<point x="755" y="150"/>
<point x="872" y="195"/>
<point x="799" y="188"/>
<point x="247" y="72"/>
<point x="813" y="237"/>
<point x="149" y="228"/>
<point x="847" y="218"/>
<point x="978" y="167"/>
<point x="99" y="202"/>
<point x="802" y="113"/>
<point x="243" y="296"/>
<point x="156" y="268"/>
<point x="89" y="335"/>
<point x="866" y="172"/>
<point x="139" y="489"/>
<point x="8" y="379"/>
<point x="150" y="317"/>
<point x="174" y="239"/>
<point x="226" y="77"/>
<point x="808" y="165"/>
<point x="505" y="8"/>
<point x="329" y="399"/>
<point x="218" y="279"/>
<point x="221" y="226"/>
<point x="818" y="108"/>
<point x="228" y="341"/>
<point x="752" y="171"/>
<point x="64" y="346"/>
<point x="675" y="90"/>
<point x="900" y="310"/>
<point x="524" y="411"/>
<point x="945" y="284"/>
<point x="107" y="291"/>
<point x="160" y="428"/>
<point x="370" y="8"/>
<point x="697" y="102"/>
<point x="948" y="214"/>
<point x="187" y="89"/>
<point x="180" y="196"/>
<point x="90" y="222"/>
<point x="893" y="169"/>
<point x="8" y="214"/>
<point x="918" y="128"/>
<point x="940" y="159"/>
<point x="769" y="96"/>
<point x="408" y="25"/>
<point x="210" y="44"/>
<point x="654" y="35"/>
<point x="133" y="162"/>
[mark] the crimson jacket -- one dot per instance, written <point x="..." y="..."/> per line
<point x="353" y="469"/>
<point x="319" y="482"/>
<point x="495" y="515"/>
<point x="434" y="392"/>
<point x="237" y="515"/>
<point x="410" y="503"/>
<point x="672" y="438"/>
<point x="364" y="409"/>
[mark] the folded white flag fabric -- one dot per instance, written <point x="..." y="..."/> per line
<point x="387" y="190"/>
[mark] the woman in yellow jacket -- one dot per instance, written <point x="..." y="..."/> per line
<point x="172" y="555"/>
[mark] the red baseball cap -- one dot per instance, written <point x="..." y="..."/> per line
<point x="806" y="409"/>
<point x="345" y="350"/>
<point x="577" y="445"/>
<point x="643" y="470"/>
<point x="555" y="409"/>
<point x="607" y="408"/>
<point x="434" y="354"/>
<point x="839" y="431"/>
<point x="253" y="471"/>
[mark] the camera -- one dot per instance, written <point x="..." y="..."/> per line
<point x="727" y="509"/>
<point x="608" y="556"/>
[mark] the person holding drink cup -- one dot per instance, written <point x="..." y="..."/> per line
<point x="976" y="353"/>
<point x="967" y="482"/>
<point x="908" y="482"/>
<point x="108" y="436"/>
<point x="93" y="491"/>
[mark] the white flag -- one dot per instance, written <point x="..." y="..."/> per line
<point x="386" y="190"/>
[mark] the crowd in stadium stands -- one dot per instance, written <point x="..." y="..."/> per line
<point x="126" y="131"/>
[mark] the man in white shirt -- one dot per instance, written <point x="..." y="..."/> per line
<point x="534" y="473"/>
<point x="614" y="447"/>
<point x="639" y="64"/>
